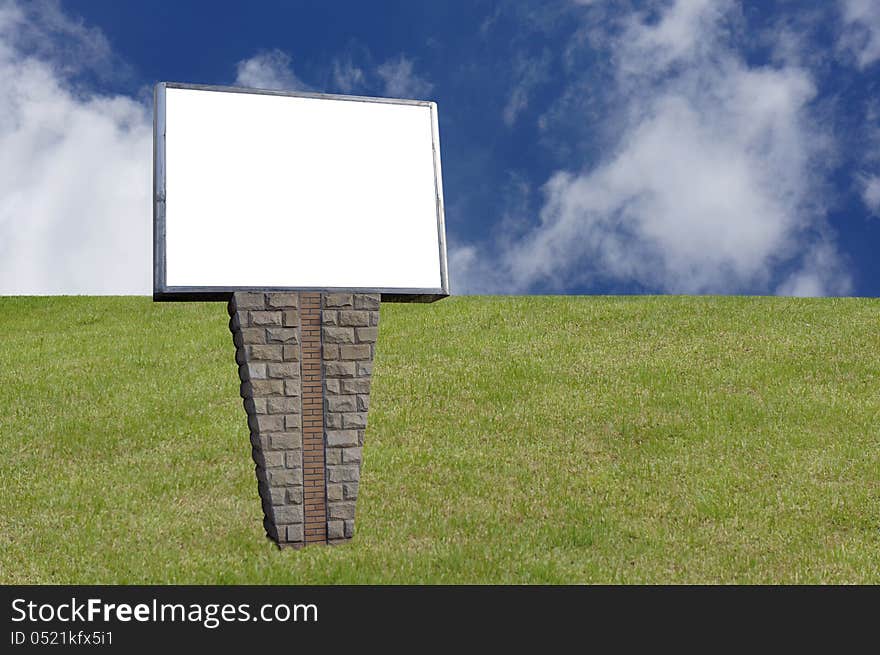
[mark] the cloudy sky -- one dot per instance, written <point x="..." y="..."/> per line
<point x="590" y="146"/>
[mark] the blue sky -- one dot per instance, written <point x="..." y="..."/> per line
<point x="592" y="146"/>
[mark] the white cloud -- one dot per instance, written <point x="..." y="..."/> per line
<point x="75" y="211"/>
<point x="869" y="180"/>
<point x="859" y="37"/>
<point x="269" y="70"/>
<point x="871" y="193"/>
<point x="821" y="273"/>
<point x="346" y="76"/>
<point x="356" y="72"/>
<point x="709" y="188"/>
<point x="530" y="72"/>
<point x="401" y="81"/>
<point x="40" y="29"/>
<point x="861" y="34"/>
<point x="688" y="29"/>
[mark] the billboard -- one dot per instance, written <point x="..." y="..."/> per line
<point x="265" y="190"/>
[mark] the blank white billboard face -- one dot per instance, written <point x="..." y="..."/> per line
<point x="261" y="190"/>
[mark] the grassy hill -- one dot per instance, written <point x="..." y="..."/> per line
<point x="511" y="439"/>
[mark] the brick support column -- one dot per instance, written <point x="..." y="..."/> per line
<point x="313" y="420"/>
<point x="305" y="364"/>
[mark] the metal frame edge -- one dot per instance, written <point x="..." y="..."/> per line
<point x="438" y="193"/>
<point x="202" y="294"/>
<point x="159" y="272"/>
<point x="295" y="94"/>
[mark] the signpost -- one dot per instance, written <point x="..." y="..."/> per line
<point x="303" y="211"/>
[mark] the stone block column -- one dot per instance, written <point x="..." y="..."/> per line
<point x="305" y="364"/>
<point x="350" y="327"/>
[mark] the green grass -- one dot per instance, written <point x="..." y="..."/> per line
<point x="540" y="439"/>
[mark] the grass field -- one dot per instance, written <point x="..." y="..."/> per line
<point x="511" y="439"/>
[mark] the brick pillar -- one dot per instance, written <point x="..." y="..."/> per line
<point x="305" y="363"/>
<point x="313" y="420"/>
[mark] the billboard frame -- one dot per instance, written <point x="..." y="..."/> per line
<point x="162" y="292"/>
